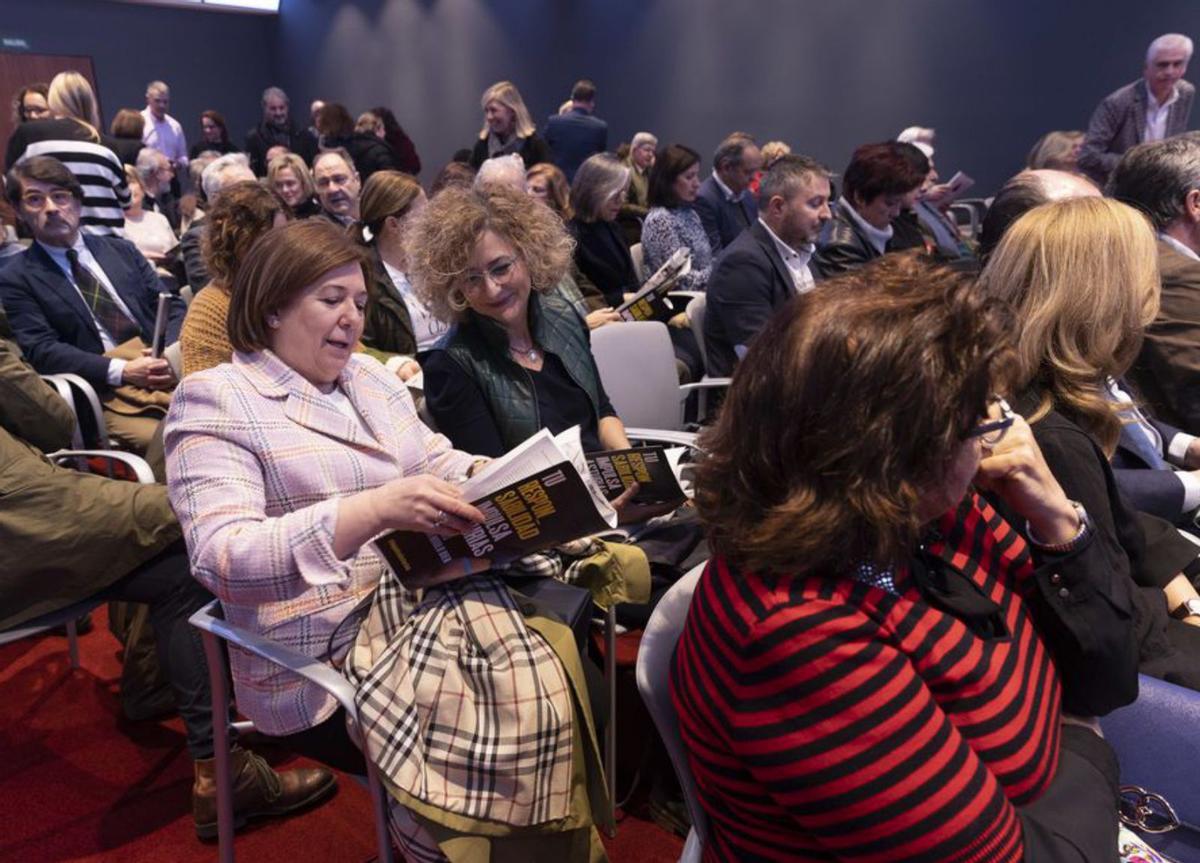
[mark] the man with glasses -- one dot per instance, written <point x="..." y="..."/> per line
<point x="337" y="186"/>
<point x="76" y="301"/>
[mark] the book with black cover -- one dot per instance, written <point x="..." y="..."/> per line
<point x="536" y="497"/>
<point x="614" y="471"/>
<point x="650" y="303"/>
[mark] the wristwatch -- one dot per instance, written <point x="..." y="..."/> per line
<point x="1085" y="529"/>
<point x="1186" y="609"/>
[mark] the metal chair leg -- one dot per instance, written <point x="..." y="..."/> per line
<point x="383" y="839"/>
<point x="220" y="712"/>
<point x="610" y="732"/>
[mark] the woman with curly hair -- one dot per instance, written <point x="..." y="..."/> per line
<point x="1082" y="275"/>
<point x="860" y="676"/>
<point x="243" y="213"/>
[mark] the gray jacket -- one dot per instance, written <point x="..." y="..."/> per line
<point x="1119" y="123"/>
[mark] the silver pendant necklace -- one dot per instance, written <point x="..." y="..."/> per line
<point x="530" y="353"/>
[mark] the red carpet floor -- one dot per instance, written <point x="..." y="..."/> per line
<point x="79" y="782"/>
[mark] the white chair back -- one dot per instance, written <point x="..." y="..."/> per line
<point x="637" y="367"/>
<point x="173" y="354"/>
<point x="639" y="262"/>
<point x="653" y="673"/>
<point x="695" y="313"/>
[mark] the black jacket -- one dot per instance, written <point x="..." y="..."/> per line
<point x="533" y="151"/>
<point x="262" y="138"/>
<point x="602" y="256"/>
<point x="749" y="282"/>
<point x="845" y="248"/>
<point x="369" y="153"/>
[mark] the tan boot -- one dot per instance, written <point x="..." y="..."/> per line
<point x="258" y="791"/>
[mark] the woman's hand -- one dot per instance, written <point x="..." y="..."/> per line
<point x="629" y="512"/>
<point x="425" y="504"/>
<point x="680" y="321"/>
<point x="600" y="317"/>
<point x="1015" y="469"/>
<point x="408" y="370"/>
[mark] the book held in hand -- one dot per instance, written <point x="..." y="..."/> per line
<point x="650" y="467"/>
<point x="537" y="496"/>
<point x="650" y="303"/>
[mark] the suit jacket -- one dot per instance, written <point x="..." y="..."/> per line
<point x="191" y="249"/>
<point x="723" y="220"/>
<point x="66" y="535"/>
<point x="749" y="282"/>
<point x="574" y="136"/>
<point x="257" y="459"/>
<point x="845" y="248"/>
<point x="52" y="323"/>
<point x="1167" y="370"/>
<point x="1143" y="474"/>
<point x="603" y="258"/>
<point x="1119" y="122"/>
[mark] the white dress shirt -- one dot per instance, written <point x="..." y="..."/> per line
<point x="796" y="261"/>
<point x="166" y="136"/>
<point x="1156" y="115"/>
<point x="1179" y="247"/>
<point x="59" y="256"/>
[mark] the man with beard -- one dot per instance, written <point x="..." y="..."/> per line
<point x="770" y="262"/>
<point x="276" y="130"/>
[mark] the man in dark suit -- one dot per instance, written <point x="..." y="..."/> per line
<point x="1152" y="108"/>
<point x="1163" y="180"/>
<point x="768" y="264"/>
<point x="724" y="203"/>
<point x="578" y="133"/>
<point x="276" y="129"/>
<point x="72" y="299"/>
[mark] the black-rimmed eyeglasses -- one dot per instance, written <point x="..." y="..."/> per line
<point x="991" y="432"/>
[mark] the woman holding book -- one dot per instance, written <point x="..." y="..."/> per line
<point x="283" y="466"/>
<point x="860" y="656"/>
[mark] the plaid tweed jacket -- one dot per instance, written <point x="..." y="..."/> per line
<point x="256" y="460"/>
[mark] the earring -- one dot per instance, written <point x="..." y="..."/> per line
<point x="457" y="300"/>
<point x="273" y="321"/>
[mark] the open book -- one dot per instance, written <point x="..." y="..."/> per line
<point x="650" y="303"/>
<point x="535" y="497"/>
<point x="653" y="468"/>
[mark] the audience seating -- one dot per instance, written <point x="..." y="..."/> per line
<point x="1157" y="739"/>
<point x="638" y="254"/>
<point x="68" y="616"/>
<point x="653" y="675"/>
<point x="214" y="629"/>
<point x="637" y="367"/>
<point x="89" y="415"/>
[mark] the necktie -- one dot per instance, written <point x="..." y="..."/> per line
<point x="105" y="309"/>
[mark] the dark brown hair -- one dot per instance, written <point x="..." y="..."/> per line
<point x="242" y="213"/>
<point x="880" y="169"/>
<point x="128" y="123"/>
<point x="334" y="121"/>
<point x="278" y="268"/>
<point x="853" y="400"/>
<point x="219" y="122"/>
<point x="670" y="161"/>
<point x="43" y="169"/>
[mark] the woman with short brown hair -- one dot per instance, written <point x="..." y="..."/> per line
<point x="860" y="643"/>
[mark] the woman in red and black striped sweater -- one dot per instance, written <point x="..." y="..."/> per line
<point x="859" y="677"/>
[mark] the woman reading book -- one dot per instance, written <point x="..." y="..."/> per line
<point x="283" y="465"/>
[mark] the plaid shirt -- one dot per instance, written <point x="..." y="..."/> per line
<point x="256" y="461"/>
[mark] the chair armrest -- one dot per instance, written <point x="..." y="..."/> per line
<point x="93" y="400"/>
<point x="310" y="669"/>
<point x="704" y="384"/>
<point x="135" y="463"/>
<point x="678" y="438"/>
<point x="63" y="388"/>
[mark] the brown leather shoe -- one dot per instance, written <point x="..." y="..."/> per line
<point x="258" y="791"/>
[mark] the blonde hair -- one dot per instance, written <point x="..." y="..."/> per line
<point x="299" y="168"/>
<point x="71" y="96"/>
<point x="507" y="94"/>
<point x="441" y="239"/>
<point x="1082" y="277"/>
<point x="772" y="151"/>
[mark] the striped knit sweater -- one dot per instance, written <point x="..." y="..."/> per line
<point x="829" y="719"/>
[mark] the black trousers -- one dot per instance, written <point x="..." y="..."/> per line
<point x="165" y="584"/>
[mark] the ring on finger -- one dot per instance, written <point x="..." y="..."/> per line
<point x="439" y="518"/>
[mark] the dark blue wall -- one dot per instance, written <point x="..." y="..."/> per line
<point x="215" y="60"/>
<point x="990" y="75"/>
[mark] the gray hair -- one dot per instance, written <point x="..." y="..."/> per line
<point x="502" y="171"/>
<point x="147" y="162"/>
<point x="731" y="149"/>
<point x="643" y="138"/>
<point x="787" y="174"/>
<point x="214" y="177"/>
<point x="1156" y="177"/>
<point x="274" y="93"/>
<point x="158" y="87"/>
<point x="914" y="134"/>
<point x="599" y="178"/>
<point x="1168" y="40"/>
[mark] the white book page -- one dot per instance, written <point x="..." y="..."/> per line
<point x="536" y="453"/>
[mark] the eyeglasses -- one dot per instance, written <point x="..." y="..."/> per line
<point x="499" y="272"/>
<point x="37" y="200"/>
<point x="991" y="432"/>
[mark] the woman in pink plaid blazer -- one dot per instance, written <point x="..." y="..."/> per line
<point x="283" y="466"/>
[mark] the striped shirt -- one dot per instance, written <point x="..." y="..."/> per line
<point x="834" y="719"/>
<point x="95" y="166"/>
